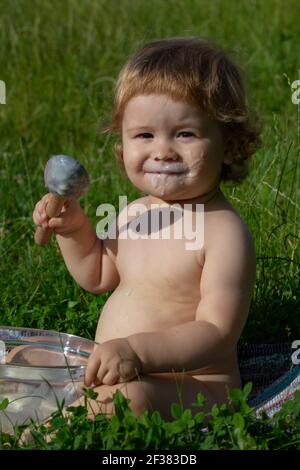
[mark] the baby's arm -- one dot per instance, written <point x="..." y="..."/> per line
<point x="226" y="285"/>
<point x="88" y="259"/>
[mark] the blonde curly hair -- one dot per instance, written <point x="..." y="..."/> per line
<point x="200" y="73"/>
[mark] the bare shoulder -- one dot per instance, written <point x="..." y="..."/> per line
<point x="229" y="250"/>
<point x="224" y="226"/>
<point x="111" y="243"/>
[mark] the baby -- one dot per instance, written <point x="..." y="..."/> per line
<point x="171" y="326"/>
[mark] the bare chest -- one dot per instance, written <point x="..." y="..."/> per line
<point x="159" y="253"/>
<point x="159" y="265"/>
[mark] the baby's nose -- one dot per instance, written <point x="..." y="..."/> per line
<point x="163" y="149"/>
<point x="166" y="157"/>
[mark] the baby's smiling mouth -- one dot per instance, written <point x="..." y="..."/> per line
<point x="167" y="168"/>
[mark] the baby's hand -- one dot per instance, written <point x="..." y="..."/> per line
<point x="70" y="219"/>
<point x="112" y="362"/>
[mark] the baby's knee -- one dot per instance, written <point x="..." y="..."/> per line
<point x="105" y="403"/>
<point x="134" y="391"/>
<point x="139" y="401"/>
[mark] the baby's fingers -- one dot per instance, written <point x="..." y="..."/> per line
<point x="41" y="205"/>
<point x="110" y="378"/>
<point x="92" y="368"/>
<point x="39" y="214"/>
<point x="61" y="223"/>
<point x="56" y="222"/>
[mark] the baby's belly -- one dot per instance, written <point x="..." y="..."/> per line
<point x="131" y="310"/>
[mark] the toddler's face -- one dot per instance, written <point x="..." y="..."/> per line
<point x="171" y="149"/>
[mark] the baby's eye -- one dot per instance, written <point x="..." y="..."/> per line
<point x="186" y="134"/>
<point x="144" y="135"/>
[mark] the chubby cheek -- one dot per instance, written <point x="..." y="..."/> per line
<point x="198" y="162"/>
<point x="210" y="157"/>
<point x="131" y="171"/>
<point x="204" y="169"/>
<point x="131" y="157"/>
<point x="133" y="167"/>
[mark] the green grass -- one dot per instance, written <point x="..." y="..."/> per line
<point x="192" y="429"/>
<point x="59" y="60"/>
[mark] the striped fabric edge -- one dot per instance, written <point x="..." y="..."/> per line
<point x="280" y="391"/>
